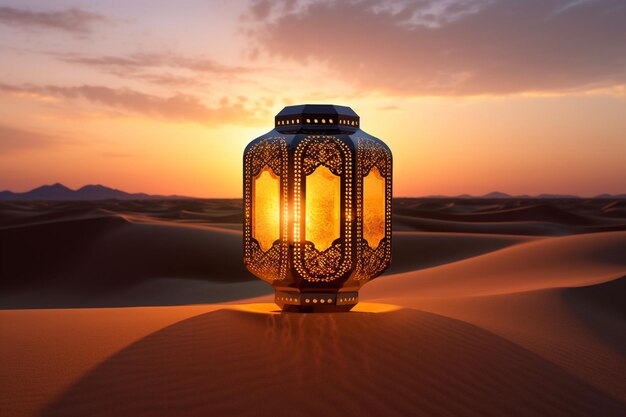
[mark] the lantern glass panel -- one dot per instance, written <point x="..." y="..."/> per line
<point x="323" y="207"/>
<point x="266" y="208"/>
<point x="374" y="207"/>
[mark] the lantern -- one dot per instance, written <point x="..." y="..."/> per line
<point x="317" y="208"/>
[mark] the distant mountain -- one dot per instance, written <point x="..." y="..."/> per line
<point x="59" y="192"/>
<point x="496" y="194"/>
<point x="493" y="194"/>
<point x="557" y="196"/>
<point x="500" y="195"/>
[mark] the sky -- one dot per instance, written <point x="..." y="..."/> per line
<point x="472" y="96"/>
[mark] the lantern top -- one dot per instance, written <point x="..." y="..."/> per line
<point x="321" y="118"/>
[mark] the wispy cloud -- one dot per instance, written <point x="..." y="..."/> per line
<point x="177" y="108"/>
<point x="14" y="140"/>
<point x="453" y="47"/>
<point x="133" y="62"/>
<point x="164" y="69"/>
<point x="69" y="20"/>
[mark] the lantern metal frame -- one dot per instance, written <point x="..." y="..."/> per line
<point x="305" y="278"/>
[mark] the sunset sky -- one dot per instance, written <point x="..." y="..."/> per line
<point x="472" y="96"/>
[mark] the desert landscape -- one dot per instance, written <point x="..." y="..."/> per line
<point x="492" y="307"/>
<point x="155" y="155"/>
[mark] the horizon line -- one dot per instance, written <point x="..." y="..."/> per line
<point x="463" y="195"/>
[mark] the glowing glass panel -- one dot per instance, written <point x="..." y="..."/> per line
<point x="373" y="207"/>
<point x="323" y="207"/>
<point x="266" y="208"/>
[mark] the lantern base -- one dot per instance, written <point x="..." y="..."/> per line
<point x="316" y="302"/>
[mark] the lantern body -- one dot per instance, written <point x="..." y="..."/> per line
<point x="317" y="208"/>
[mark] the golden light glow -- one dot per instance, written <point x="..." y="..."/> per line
<point x="271" y="309"/>
<point x="373" y="207"/>
<point x="266" y="208"/>
<point x="375" y="308"/>
<point x="323" y="202"/>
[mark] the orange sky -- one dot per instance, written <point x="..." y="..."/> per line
<point x="472" y="96"/>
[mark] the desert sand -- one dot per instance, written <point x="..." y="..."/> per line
<point x="490" y="308"/>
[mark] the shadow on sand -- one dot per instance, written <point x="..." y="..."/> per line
<point x="249" y="362"/>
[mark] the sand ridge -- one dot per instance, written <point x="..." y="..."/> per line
<point x="332" y="364"/>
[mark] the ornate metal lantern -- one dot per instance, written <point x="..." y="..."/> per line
<point x="317" y="197"/>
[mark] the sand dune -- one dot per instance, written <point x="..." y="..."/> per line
<point x="84" y="254"/>
<point x="546" y="263"/>
<point x="407" y="223"/>
<point x="101" y="260"/>
<point x="340" y="364"/>
<point x="50" y="349"/>
<point x="491" y="308"/>
<point x="561" y="298"/>
<point x="533" y="212"/>
<point x="418" y="250"/>
<point x="569" y="331"/>
<point x="513" y="216"/>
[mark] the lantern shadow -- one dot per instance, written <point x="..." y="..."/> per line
<point x="246" y="361"/>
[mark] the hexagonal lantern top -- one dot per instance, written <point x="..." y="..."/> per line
<point x="317" y="207"/>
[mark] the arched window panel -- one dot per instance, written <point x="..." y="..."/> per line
<point x="373" y="208"/>
<point x="374" y="202"/>
<point x="266" y="208"/>
<point x="322" y="208"/>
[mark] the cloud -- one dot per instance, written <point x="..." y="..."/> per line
<point x="14" y="140"/>
<point x="177" y="108"/>
<point x="452" y="47"/>
<point x="134" y="62"/>
<point x="69" y="20"/>
<point x="260" y="9"/>
<point x="164" y="69"/>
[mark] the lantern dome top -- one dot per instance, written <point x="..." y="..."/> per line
<point x="328" y="118"/>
